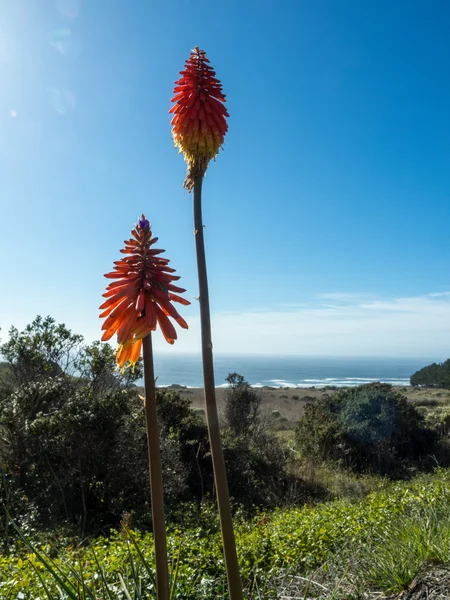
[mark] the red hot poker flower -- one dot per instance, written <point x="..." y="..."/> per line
<point x="199" y="123"/>
<point x="141" y="296"/>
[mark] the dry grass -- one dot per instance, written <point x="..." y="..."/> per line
<point x="290" y="402"/>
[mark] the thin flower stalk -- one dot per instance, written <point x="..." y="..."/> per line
<point x="140" y="298"/>
<point x="198" y="129"/>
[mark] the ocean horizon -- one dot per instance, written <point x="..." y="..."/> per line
<point x="288" y="371"/>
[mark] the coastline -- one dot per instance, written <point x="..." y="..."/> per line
<point x="292" y="372"/>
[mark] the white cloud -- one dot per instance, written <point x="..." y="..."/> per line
<point x="343" y="296"/>
<point x="344" y="325"/>
<point x="438" y="294"/>
<point x="409" y="326"/>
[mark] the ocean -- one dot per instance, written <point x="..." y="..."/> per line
<point x="292" y="371"/>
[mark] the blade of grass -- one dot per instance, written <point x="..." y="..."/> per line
<point x="83" y="586"/>
<point x="174" y="572"/>
<point x="141" y="556"/>
<point x="47" y="565"/>
<point x="105" y="585"/>
<point x="124" y="587"/>
<point x="134" y="572"/>
<point x="78" y="579"/>
<point x="41" y="580"/>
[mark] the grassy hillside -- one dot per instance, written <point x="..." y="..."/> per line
<point x="335" y="550"/>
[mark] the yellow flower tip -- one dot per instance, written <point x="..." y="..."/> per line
<point x="128" y="354"/>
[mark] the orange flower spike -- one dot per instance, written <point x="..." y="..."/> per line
<point x="141" y="297"/>
<point x="199" y="123"/>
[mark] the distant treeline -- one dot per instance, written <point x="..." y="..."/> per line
<point x="435" y="375"/>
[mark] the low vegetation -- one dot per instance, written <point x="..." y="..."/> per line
<point x="73" y="448"/>
<point x="347" y="499"/>
<point x="370" y="428"/>
<point x="379" y="543"/>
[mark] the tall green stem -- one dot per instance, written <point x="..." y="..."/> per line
<point x="154" y="459"/>
<point x="220" y="476"/>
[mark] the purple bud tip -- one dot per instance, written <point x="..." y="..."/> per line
<point x="143" y="222"/>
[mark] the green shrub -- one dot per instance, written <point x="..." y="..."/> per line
<point x="73" y="445"/>
<point x="438" y="419"/>
<point x="257" y="462"/>
<point x="73" y="439"/>
<point x="241" y="412"/>
<point x="368" y="428"/>
<point x="186" y="430"/>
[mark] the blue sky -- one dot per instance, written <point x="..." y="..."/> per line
<point x="327" y="213"/>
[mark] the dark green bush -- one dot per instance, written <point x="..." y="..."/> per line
<point x="257" y="463"/>
<point x="368" y="428"/>
<point x="73" y="445"/>
<point x="242" y="404"/>
<point x="72" y="433"/>
<point x="184" y="428"/>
